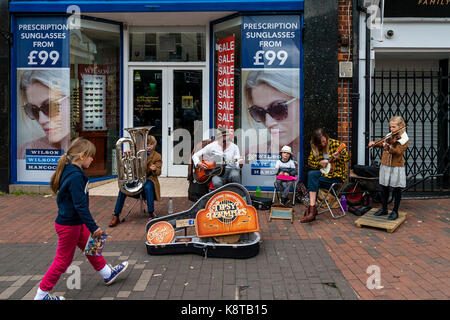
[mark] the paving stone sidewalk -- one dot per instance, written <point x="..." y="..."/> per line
<point x="326" y="259"/>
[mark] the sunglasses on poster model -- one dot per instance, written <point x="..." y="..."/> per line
<point x="277" y="110"/>
<point x="48" y="107"/>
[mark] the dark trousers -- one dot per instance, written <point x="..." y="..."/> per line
<point x="284" y="187"/>
<point x="149" y="193"/>
<point x="316" y="181"/>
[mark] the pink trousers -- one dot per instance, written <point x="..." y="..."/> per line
<point x="69" y="238"/>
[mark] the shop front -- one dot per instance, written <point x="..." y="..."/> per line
<point x="409" y="72"/>
<point x="93" y="69"/>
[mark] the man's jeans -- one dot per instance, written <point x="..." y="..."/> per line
<point x="230" y="175"/>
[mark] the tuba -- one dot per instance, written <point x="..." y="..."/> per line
<point x="132" y="166"/>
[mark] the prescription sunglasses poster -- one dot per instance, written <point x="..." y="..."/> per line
<point x="271" y="94"/>
<point x="43" y="95"/>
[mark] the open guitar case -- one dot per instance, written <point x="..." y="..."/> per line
<point x="247" y="247"/>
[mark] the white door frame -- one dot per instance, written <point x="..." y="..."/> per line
<point x="168" y="169"/>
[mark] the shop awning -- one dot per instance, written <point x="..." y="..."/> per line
<point x="155" y="6"/>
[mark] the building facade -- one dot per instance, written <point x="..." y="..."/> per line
<point x="93" y="70"/>
<point x="187" y="68"/>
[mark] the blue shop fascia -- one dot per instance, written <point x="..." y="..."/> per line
<point x="94" y="68"/>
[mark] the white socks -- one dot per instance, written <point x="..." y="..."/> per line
<point x="40" y="294"/>
<point x="106" y="271"/>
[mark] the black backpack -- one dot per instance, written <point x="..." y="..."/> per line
<point x="367" y="171"/>
<point x="302" y="194"/>
<point x="196" y="190"/>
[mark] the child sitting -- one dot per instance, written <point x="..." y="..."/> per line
<point x="286" y="172"/>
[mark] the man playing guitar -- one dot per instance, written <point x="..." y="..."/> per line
<point x="222" y="151"/>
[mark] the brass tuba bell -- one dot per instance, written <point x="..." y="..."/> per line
<point x="132" y="165"/>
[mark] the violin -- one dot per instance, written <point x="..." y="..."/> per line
<point x="390" y="138"/>
<point x="393" y="139"/>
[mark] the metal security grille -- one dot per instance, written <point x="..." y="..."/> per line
<point x="422" y="99"/>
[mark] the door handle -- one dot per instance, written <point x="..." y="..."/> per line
<point x="170" y="130"/>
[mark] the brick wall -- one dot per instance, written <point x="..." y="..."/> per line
<point x="345" y="84"/>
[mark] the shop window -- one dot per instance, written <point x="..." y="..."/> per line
<point x="257" y="89"/>
<point x="95" y="90"/>
<point x="162" y="45"/>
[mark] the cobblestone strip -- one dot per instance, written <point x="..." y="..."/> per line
<point x="143" y="281"/>
<point x="14" y="287"/>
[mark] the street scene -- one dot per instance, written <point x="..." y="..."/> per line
<point x="239" y="154"/>
<point x="327" y="259"/>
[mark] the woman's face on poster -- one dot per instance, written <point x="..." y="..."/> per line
<point x="285" y="130"/>
<point x="55" y="122"/>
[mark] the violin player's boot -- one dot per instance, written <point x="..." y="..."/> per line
<point x="397" y="197"/>
<point x="384" y="199"/>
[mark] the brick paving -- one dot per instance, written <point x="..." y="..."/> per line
<point x="327" y="259"/>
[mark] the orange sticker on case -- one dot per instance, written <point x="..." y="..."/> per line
<point x="161" y="232"/>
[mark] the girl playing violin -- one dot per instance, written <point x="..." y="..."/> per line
<point x="392" y="168"/>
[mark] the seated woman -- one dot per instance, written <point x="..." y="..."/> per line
<point x="151" y="188"/>
<point x="323" y="151"/>
<point x="285" y="171"/>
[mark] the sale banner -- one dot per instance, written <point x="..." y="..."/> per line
<point x="42" y="51"/>
<point x="225" y="48"/>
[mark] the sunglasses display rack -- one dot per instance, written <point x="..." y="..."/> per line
<point x="75" y="103"/>
<point x="93" y="98"/>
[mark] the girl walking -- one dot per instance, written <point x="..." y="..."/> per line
<point x="74" y="222"/>
<point x="392" y="168"/>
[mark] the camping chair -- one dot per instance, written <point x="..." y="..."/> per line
<point x="275" y="189"/>
<point x="335" y="191"/>
<point x="140" y="198"/>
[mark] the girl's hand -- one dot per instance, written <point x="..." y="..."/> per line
<point x="323" y="163"/>
<point x="98" y="233"/>
<point x="371" y="143"/>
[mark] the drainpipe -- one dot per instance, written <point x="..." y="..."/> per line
<point x="361" y="8"/>
<point x="355" y="80"/>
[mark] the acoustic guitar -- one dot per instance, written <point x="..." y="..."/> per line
<point x="330" y="166"/>
<point x="204" y="175"/>
<point x="213" y="169"/>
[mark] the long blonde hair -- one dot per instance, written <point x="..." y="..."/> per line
<point x="78" y="146"/>
<point x="316" y="140"/>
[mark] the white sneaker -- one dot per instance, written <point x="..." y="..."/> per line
<point x="115" y="272"/>
<point x="49" y="296"/>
